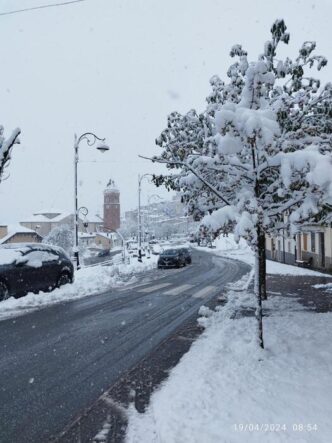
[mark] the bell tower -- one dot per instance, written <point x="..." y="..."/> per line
<point x="111" y="207"/>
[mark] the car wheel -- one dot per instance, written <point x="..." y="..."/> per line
<point x="63" y="279"/>
<point x="4" y="291"/>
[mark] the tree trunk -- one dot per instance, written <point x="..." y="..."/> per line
<point x="259" y="284"/>
<point x="262" y="264"/>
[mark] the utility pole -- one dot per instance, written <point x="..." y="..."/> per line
<point x="139" y="220"/>
<point x="139" y="216"/>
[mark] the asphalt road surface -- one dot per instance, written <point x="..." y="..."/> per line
<point x="57" y="361"/>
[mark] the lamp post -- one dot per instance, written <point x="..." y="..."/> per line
<point x="91" y="139"/>
<point x="139" y="217"/>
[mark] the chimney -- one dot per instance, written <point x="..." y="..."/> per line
<point x="3" y="231"/>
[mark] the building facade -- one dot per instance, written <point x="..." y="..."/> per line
<point x="311" y="246"/>
<point x="44" y="222"/>
<point x="111" y="207"/>
<point x="314" y="245"/>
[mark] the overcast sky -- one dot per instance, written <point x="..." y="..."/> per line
<point x="118" y="68"/>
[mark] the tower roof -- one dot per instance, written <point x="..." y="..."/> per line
<point x="111" y="187"/>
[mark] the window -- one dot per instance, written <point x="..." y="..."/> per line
<point x="305" y="242"/>
<point x="36" y="259"/>
<point x="313" y="241"/>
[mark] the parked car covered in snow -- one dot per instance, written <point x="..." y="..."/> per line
<point x="156" y="249"/>
<point x="32" y="267"/>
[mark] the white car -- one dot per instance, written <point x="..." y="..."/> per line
<point x="156" y="249"/>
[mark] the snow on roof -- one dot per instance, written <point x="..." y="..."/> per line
<point x="109" y="235"/>
<point x="41" y="218"/>
<point x="16" y="229"/>
<point x="49" y="211"/>
<point x="61" y="216"/>
<point x="86" y="234"/>
<point x="94" y="219"/>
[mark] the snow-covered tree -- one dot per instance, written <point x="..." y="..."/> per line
<point x="6" y="146"/>
<point x="63" y="236"/>
<point x="260" y="153"/>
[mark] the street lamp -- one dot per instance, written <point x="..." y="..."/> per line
<point x="91" y="139"/>
<point x="139" y="217"/>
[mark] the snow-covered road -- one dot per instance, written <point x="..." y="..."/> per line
<point x="57" y="361"/>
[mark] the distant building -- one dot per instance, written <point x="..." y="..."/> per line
<point x="310" y="246"/>
<point x="159" y="219"/>
<point x="44" y="221"/>
<point x="111" y="207"/>
<point x="107" y="240"/>
<point x="18" y="234"/>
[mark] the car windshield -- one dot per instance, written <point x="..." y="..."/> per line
<point x="25" y="253"/>
<point x="171" y="252"/>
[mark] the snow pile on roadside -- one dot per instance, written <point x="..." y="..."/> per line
<point x="225" y="389"/>
<point x="90" y="280"/>
<point x="227" y="247"/>
<point x="327" y="287"/>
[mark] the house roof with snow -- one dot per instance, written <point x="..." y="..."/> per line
<point x="94" y="219"/>
<point x="17" y="229"/>
<point x="47" y="216"/>
<point x="109" y="235"/>
<point x="87" y="234"/>
<point x="53" y="216"/>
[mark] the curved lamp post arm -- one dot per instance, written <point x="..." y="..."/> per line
<point x="90" y="138"/>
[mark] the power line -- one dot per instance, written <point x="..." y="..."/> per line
<point x="33" y="8"/>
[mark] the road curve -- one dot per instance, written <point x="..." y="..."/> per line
<point x="57" y="361"/>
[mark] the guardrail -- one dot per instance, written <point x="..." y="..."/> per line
<point x="116" y="260"/>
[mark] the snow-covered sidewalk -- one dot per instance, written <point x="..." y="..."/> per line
<point x="88" y="281"/>
<point x="227" y="247"/>
<point x="227" y="390"/>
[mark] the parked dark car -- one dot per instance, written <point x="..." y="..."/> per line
<point x="171" y="258"/>
<point x="187" y="255"/>
<point x="104" y="253"/>
<point x="32" y="267"/>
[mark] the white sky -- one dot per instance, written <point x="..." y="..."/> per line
<point x="117" y="68"/>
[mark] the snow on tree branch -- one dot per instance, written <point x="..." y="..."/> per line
<point x="262" y="146"/>
<point x="6" y="146"/>
<point x="260" y="150"/>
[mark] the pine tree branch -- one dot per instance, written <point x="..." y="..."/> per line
<point x="185" y="165"/>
